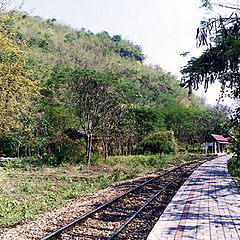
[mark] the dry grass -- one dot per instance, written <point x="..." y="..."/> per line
<point x="27" y="190"/>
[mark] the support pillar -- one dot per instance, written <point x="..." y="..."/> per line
<point x="215" y="148"/>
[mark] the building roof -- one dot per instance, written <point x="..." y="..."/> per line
<point x="221" y="139"/>
<point x="75" y="133"/>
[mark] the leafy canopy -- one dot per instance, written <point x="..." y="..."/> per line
<point x="16" y="87"/>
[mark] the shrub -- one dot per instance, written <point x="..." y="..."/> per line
<point x="69" y="38"/>
<point x="32" y="41"/>
<point x="159" y="142"/>
<point x="43" y="43"/>
<point x="234" y="166"/>
<point x="236" y="147"/>
<point x="65" y="149"/>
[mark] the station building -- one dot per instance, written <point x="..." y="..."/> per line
<point x="216" y="144"/>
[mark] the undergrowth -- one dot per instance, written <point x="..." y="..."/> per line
<point x="234" y="169"/>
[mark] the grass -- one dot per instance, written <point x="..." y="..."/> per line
<point x="29" y="188"/>
<point x="133" y="166"/>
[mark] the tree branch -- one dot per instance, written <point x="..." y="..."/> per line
<point x="225" y="6"/>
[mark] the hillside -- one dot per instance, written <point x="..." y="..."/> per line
<point x="140" y="100"/>
<point x="49" y="42"/>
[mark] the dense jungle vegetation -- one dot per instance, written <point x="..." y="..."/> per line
<point x="80" y="93"/>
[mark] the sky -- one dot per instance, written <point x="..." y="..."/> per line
<point x="164" y="28"/>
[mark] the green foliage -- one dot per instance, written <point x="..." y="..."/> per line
<point x="67" y="150"/>
<point x="98" y="82"/>
<point x="159" y="142"/>
<point x="236" y="147"/>
<point x="116" y="38"/>
<point x="149" y="120"/>
<point x="206" y="4"/>
<point x="99" y="99"/>
<point x="97" y="52"/>
<point x="32" y="41"/>
<point x="236" y="142"/>
<point x="220" y="61"/>
<point x="234" y="166"/>
<point x="16" y="86"/>
<point x="69" y="38"/>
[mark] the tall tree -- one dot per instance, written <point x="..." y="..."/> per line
<point x="16" y="84"/>
<point x="98" y="97"/>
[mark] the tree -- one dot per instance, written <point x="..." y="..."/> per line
<point x="17" y="85"/>
<point x="98" y="97"/>
<point x="148" y="120"/>
<point x="159" y="142"/>
<point x="220" y="61"/>
<point x="118" y="131"/>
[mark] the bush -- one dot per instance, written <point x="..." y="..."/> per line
<point x="234" y="166"/>
<point x="65" y="150"/>
<point x="159" y="142"/>
<point x="236" y="147"/>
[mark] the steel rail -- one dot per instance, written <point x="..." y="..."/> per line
<point x="146" y="204"/>
<point x="83" y="217"/>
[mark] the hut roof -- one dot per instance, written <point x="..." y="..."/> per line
<point x="221" y="139"/>
<point x="75" y="133"/>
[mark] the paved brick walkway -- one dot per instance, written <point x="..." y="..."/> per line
<point x="206" y="207"/>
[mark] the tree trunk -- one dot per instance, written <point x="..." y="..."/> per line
<point x="179" y="132"/>
<point x="18" y="150"/>
<point x="89" y="148"/>
<point x="105" y="143"/>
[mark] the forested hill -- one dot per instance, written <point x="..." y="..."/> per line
<point x="100" y="83"/>
<point x="54" y="44"/>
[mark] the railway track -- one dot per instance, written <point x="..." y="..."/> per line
<point x="130" y="215"/>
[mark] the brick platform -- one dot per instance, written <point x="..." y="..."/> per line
<point x="206" y="207"/>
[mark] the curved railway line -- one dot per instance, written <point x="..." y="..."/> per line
<point x="132" y="214"/>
